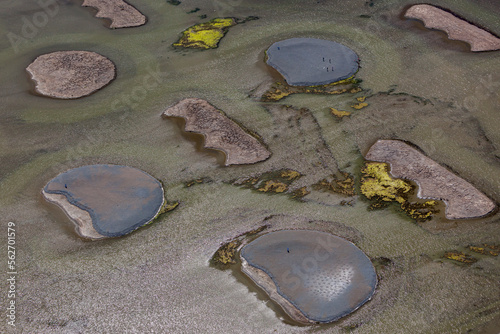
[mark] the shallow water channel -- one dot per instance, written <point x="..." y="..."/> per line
<point x="420" y="87"/>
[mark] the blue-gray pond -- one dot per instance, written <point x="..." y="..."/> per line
<point x="312" y="61"/>
<point x="318" y="277"/>
<point x="106" y="200"/>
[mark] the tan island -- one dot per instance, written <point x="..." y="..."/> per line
<point x="121" y="14"/>
<point x="462" y="199"/>
<point x="456" y="28"/>
<point x="220" y="132"/>
<point x="71" y="74"/>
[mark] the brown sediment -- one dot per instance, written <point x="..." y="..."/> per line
<point x="274" y="182"/>
<point x="434" y="181"/>
<point x="121" y="14"/>
<point x="71" y="74"/>
<point x="456" y="28"/>
<point x="485" y="249"/>
<point x="220" y="132"/>
<point x="342" y="184"/>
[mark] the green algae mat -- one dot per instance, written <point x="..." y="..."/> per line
<point x="415" y="85"/>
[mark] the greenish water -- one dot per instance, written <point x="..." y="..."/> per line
<point x="158" y="278"/>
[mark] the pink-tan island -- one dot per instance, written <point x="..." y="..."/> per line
<point x="456" y="28"/>
<point x="71" y="74"/>
<point x="121" y="14"/>
<point x="220" y="132"/>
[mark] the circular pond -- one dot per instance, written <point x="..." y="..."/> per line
<point x="118" y="199"/>
<point x="312" y="61"/>
<point x="317" y="276"/>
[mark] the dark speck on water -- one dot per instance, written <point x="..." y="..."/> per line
<point x="288" y="250"/>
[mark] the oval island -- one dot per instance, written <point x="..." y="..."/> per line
<point x="71" y="74"/>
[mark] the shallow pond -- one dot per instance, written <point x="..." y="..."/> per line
<point x="420" y="87"/>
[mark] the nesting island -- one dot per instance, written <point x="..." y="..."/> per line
<point x="121" y="14"/>
<point x="71" y="74"/>
<point x="219" y="131"/>
<point x="456" y="28"/>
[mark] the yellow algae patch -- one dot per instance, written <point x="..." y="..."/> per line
<point x="419" y="211"/>
<point x="197" y="181"/>
<point x="339" y="113"/>
<point x="205" y="35"/>
<point x="361" y="99"/>
<point x="360" y="105"/>
<point x="167" y="207"/>
<point x="290" y="174"/>
<point x="273" y="182"/>
<point x="170" y="207"/>
<point x="379" y="186"/>
<point x="485" y="250"/>
<point x="276" y="182"/>
<point x="273" y="186"/>
<point x="280" y="90"/>
<point x="275" y="94"/>
<point x="248" y="182"/>
<point x="376" y="183"/>
<point x="226" y="253"/>
<point x="459" y="257"/>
